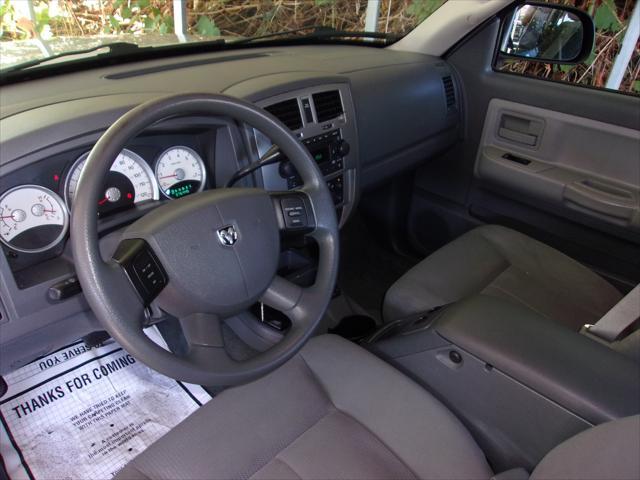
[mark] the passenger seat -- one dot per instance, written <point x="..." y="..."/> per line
<point x="501" y="262"/>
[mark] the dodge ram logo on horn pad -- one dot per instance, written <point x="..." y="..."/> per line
<point x="227" y="235"/>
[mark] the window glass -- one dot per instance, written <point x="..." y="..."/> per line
<point x="35" y="29"/>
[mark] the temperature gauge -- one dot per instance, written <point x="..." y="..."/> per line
<point x="180" y="171"/>
<point x="32" y="218"/>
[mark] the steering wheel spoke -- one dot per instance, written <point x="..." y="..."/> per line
<point x="115" y="278"/>
<point x="202" y="330"/>
<point x="294" y="212"/>
<point x="290" y="299"/>
<point x="203" y="333"/>
<point x="142" y="268"/>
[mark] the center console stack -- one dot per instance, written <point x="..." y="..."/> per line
<point x="323" y="118"/>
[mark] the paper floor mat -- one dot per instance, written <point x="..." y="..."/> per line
<point x="83" y="414"/>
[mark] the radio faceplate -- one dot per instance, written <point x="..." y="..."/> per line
<point x="328" y="152"/>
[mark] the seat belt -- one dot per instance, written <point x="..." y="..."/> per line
<point x="618" y="319"/>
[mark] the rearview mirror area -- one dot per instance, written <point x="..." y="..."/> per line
<point x="549" y="33"/>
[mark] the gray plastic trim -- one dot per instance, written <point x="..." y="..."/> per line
<point x="518" y="381"/>
<point x="514" y="425"/>
<point x="545" y="356"/>
<point x="575" y="163"/>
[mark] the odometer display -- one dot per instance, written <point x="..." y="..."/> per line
<point x="32" y="218"/>
<point x="180" y="172"/>
<point x="129" y="181"/>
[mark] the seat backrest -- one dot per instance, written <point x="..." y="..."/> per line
<point x="609" y="451"/>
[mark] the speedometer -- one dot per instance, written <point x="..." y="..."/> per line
<point x="32" y="218"/>
<point x="129" y="181"/>
<point x="180" y="171"/>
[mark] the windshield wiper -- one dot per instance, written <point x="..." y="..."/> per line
<point x="115" y="48"/>
<point x="321" y="32"/>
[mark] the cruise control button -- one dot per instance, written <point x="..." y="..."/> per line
<point x="142" y="267"/>
<point x="295" y="215"/>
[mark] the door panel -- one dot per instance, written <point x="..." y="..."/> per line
<point x="580" y="192"/>
<point x="564" y="160"/>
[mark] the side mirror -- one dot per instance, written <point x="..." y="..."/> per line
<point x="549" y="33"/>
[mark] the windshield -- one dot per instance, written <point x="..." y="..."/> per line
<point x="33" y="30"/>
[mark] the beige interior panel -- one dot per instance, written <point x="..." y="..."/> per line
<point x="573" y="162"/>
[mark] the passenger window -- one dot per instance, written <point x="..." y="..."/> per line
<point x="614" y="63"/>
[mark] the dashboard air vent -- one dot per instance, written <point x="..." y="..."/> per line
<point x="288" y="112"/>
<point x="328" y="105"/>
<point x="449" y="91"/>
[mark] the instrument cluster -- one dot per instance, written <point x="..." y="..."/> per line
<point x="35" y="219"/>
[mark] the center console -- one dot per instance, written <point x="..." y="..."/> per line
<point x="520" y="382"/>
<point x="323" y="118"/>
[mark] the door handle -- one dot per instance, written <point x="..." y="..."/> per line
<point x="518" y="137"/>
<point x="522" y="130"/>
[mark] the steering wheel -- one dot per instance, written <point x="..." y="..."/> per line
<point x="207" y="256"/>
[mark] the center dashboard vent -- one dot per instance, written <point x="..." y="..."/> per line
<point x="288" y="112"/>
<point x="449" y="91"/>
<point x="328" y="105"/>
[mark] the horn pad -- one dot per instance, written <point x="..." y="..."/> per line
<point x="220" y="249"/>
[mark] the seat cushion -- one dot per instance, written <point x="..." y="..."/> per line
<point x="610" y="450"/>
<point x="504" y="263"/>
<point x="333" y="411"/>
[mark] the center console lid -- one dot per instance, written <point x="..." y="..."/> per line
<point x="584" y="376"/>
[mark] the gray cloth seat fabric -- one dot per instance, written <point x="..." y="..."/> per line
<point x="333" y="411"/>
<point x="504" y="263"/>
<point x="608" y="451"/>
<point x="337" y="412"/>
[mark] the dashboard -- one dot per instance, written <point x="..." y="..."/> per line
<point x="365" y="114"/>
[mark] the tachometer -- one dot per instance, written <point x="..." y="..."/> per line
<point x="180" y="171"/>
<point x="129" y="181"/>
<point x="32" y="218"/>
